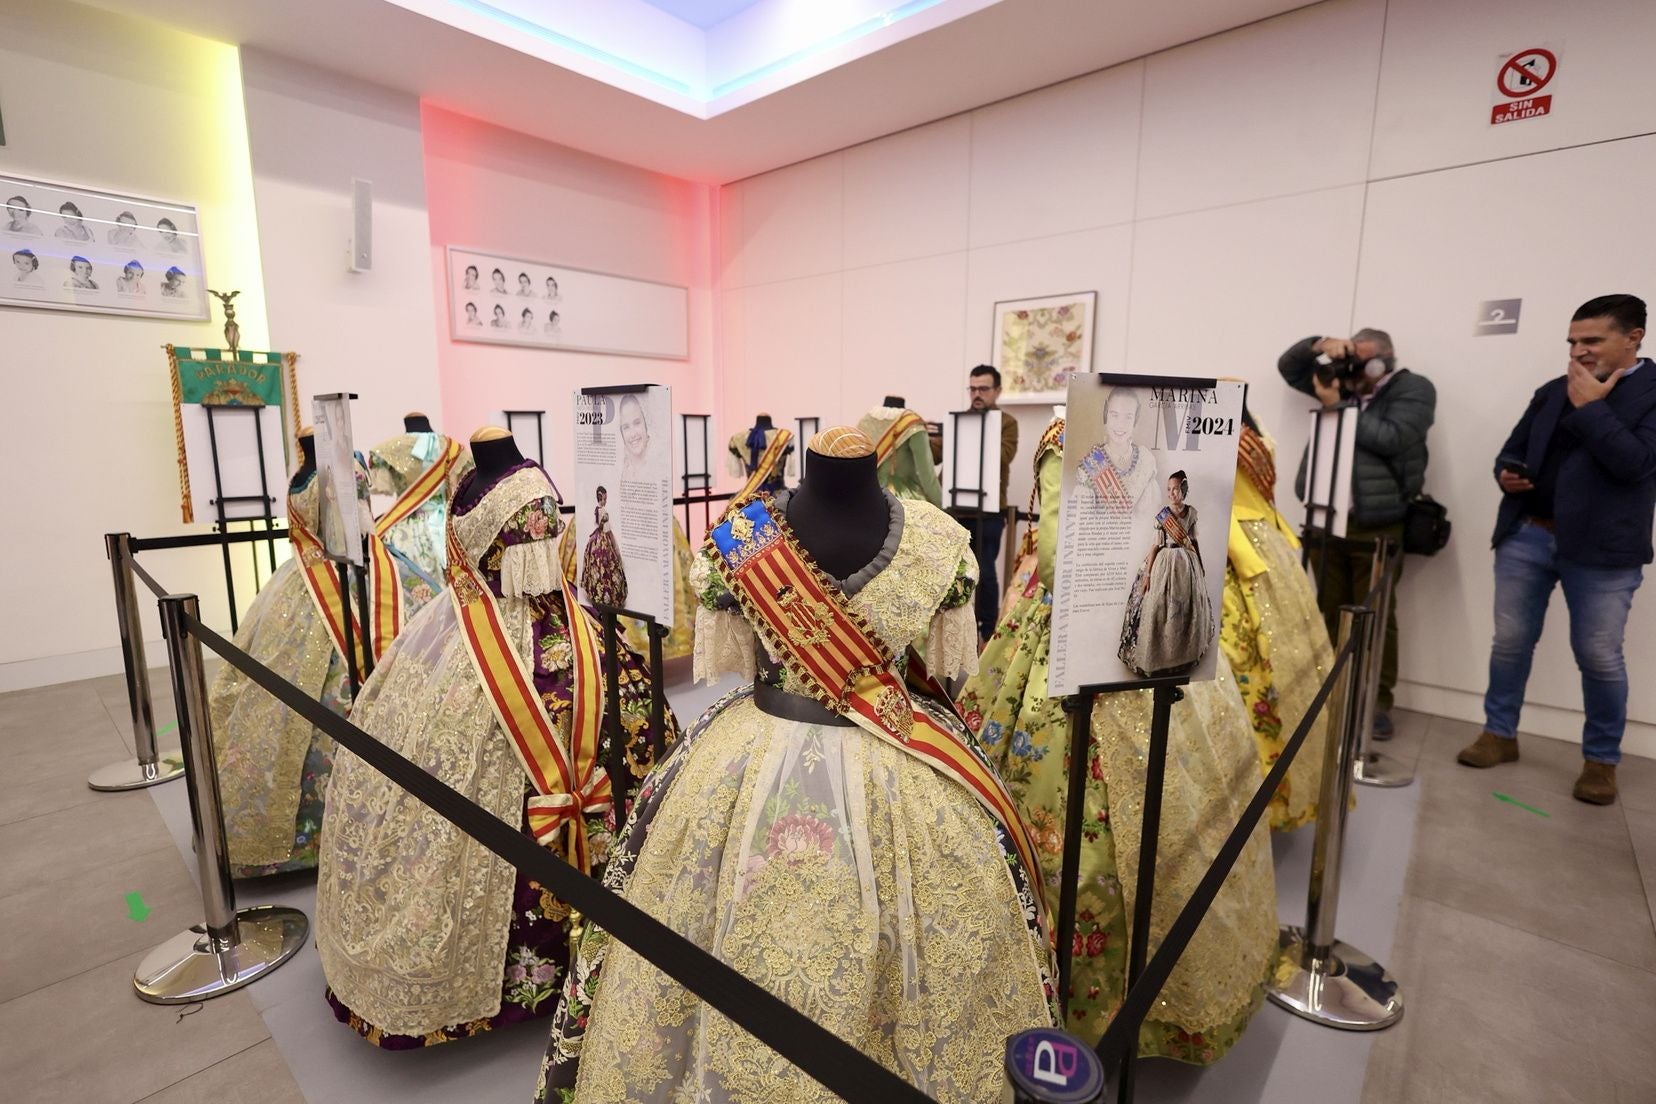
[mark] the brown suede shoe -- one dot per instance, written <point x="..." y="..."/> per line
<point x="1489" y="750"/>
<point x="1597" y="784"/>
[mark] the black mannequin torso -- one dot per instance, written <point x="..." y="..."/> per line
<point x="763" y="421"/>
<point x="839" y="513"/>
<point x="895" y="401"/>
<point x="493" y="458"/>
<point x="307" y="464"/>
<point x="417" y="423"/>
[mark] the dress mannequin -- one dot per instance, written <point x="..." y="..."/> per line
<point x="839" y="511"/>
<point x="415" y="422"/>
<point x="763" y="421"/>
<point x="748" y="447"/>
<point x="895" y="400"/>
<point x="307" y="459"/>
<point x="494" y="450"/>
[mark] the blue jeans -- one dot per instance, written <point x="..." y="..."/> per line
<point x="1527" y="568"/>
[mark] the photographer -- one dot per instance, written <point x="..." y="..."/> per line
<point x="1397" y="409"/>
<point x="1578" y="478"/>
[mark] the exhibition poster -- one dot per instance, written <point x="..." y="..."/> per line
<point x="624" y="498"/>
<point x="343" y="501"/>
<point x="1149" y="470"/>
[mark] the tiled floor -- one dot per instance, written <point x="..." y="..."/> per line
<point x="1524" y="944"/>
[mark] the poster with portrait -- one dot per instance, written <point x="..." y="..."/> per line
<point x="1040" y="344"/>
<point x="624" y="498"/>
<point x="500" y="300"/>
<point x="1144" y="520"/>
<point x="342" y="503"/>
<point x="80" y="249"/>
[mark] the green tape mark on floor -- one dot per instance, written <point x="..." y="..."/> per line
<point x="136" y="907"/>
<point x="1514" y="801"/>
<point x="166" y="728"/>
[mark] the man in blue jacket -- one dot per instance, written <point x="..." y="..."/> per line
<point x="1579" y="476"/>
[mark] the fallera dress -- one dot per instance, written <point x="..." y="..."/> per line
<point x="1211" y="774"/>
<point x="1169" y="620"/>
<point x="272" y="764"/>
<point x="425" y="936"/>
<point x="396" y="467"/>
<point x="905" y="460"/>
<point x="763" y="457"/>
<point x="603" y="575"/>
<point x="1273" y="634"/>
<point x="854" y="879"/>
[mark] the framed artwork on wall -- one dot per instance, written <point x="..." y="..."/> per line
<point x="499" y="300"/>
<point x="80" y="249"/>
<point x="1041" y="343"/>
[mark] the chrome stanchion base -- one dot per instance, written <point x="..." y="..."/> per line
<point x="133" y="775"/>
<point x="1376" y="768"/>
<point x="185" y="968"/>
<point x="1349" y="991"/>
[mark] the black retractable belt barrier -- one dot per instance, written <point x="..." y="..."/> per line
<point x="1122" y="1034"/>
<point x="820" y="1053"/>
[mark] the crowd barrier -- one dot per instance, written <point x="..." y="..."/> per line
<point x="1326" y="980"/>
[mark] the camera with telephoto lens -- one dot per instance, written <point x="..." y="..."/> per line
<point x="1342" y="370"/>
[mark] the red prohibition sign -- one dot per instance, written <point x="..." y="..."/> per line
<point x="1516" y="73"/>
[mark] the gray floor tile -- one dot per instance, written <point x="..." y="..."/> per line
<point x="50" y="932"/>
<point x="1544" y="764"/>
<point x="61" y="846"/>
<point x="91" y="1039"/>
<point x="257" y="1075"/>
<point x="1636" y="783"/>
<point x="1408" y="736"/>
<point x="1569" y="876"/>
<point x="46" y="781"/>
<point x="1493" y="1014"/>
<point x="1641" y="829"/>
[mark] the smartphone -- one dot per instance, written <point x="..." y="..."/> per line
<point x="1516" y="467"/>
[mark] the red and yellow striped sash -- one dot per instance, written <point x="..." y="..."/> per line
<point x="321" y="577"/>
<point x="896" y="433"/>
<point x="769" y="466"/>
<point x="568" y="779"/>
<point x="1105" y="479"/>
<point x="1172" y="525"/>
<point x="839" y="660"/>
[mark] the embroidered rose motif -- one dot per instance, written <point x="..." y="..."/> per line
<point x="797" y="837"/>
<point x="535" y="525"/>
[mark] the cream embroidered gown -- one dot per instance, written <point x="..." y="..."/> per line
<point x="417" y="540"/>
<point x="272" y="765"/>
<point x="851" y="879"/>
<point x="1212" y="772"/>
<point x="908" y="472"/>
<point x="425" y="935"/>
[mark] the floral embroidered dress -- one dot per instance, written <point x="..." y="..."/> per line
<point x="1210" y="776"/>
<point x="603" y="575"/>
<point x="273" y="766"/>
<point x="908" y="472"/>
<point x="417" y="540"/>
<point x="1273" y="634"/>
<point x="425" y="935"/>
<point x="852" y="879"/>
<point x="1169" y="619"/>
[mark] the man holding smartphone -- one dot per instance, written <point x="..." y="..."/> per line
<point x="1579" y="479"/>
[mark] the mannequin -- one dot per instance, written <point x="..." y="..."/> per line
<point x="415" y="422"/>
<point x="896" y="401"/>
<point x="839" y="512"/>
<point x="307" y="459"/>
<point x="763" y="421"/>
<point x="494" y="450"/>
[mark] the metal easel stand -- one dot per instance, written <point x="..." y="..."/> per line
<point x="221" y="502"/>
<point x="620" y="770"/>
<point x="231" y="947"/>
<point x="151" y="766"/>
<point x="1164" y="692"/>
<point x="1376" y="768"/>
<point x="1318" y="977"/>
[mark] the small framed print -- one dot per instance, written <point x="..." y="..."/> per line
<point x="1040" y="344"/>
<point x="75" y="248"/>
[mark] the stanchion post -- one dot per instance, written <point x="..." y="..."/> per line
<point x="230" y="948"/>
<point x="1318" y="977"/>
<point x="1374" y="767"/>
<point x="151" y="766"/>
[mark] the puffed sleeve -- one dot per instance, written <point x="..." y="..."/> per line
<point x="724" y="639"/>
<point x="950" y="650"/>
<point x="1048" y="480"/>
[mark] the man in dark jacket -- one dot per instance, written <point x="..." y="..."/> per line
<point x="1579" y="479"/>
<point x="1388" y="470"/>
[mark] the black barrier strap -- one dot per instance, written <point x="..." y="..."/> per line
<point x="820" y="1053"/>
<point x="208" y="540"/>
<point x="1124" y="1028"/>
<point x="147" y="579"/>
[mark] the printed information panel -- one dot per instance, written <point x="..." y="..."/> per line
<point x="1149" y="470"/>
<point x="624" y="499"/>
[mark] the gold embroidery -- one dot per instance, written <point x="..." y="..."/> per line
<point x="894" y="713"/>
<point x="741" y="527"/>
<point x="808" y="620"/>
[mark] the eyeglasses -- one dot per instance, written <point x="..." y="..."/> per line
<point x="974" y="389"/>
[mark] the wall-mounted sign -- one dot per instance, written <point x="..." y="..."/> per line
<point x="1519" y="79"/>
<point x="1497" y="316"/>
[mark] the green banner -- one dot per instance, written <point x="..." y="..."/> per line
<point x="212" y="377"/>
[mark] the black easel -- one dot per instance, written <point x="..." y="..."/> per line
<point x="264" y="501"/>
<point x="1165" y="690"/>
<point x="620" y="770"/>
<point x="969" y="512"/>
<point x="540" y="436"/>
<point x="1322" y="535"/>
<point x="696" y="480"/>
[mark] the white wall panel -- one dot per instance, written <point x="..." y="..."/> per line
<point x="1434" y="246"/>
<point x="906" y="195"/>
<point x="1224" y="292"/>
<point x="1437" y="84"/>
<point x="791" y="335"/>
<point x="1275" y="108"/>
<point x="1059" y="159"/>
<point x="792" y="222"/>
<point x="903" y="336"/>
